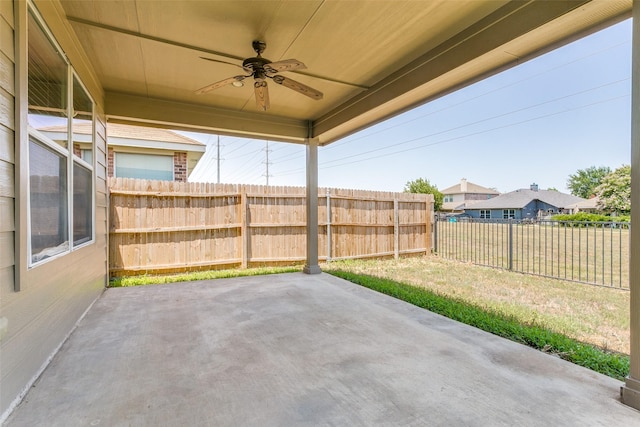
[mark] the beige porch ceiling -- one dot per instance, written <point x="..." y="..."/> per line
<point x="371" y="59"/>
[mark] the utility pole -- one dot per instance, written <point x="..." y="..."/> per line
<point x="218" y="159"/>
<point x="267" y="162"/>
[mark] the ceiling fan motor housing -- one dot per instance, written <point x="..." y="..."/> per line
<point x="255" y="66"/>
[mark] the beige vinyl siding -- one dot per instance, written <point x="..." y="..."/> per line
<point x="54" y="295"/>
<point x="6" y="30"/>
<point x="7" y="152"/>
<point x="7" y="177"/>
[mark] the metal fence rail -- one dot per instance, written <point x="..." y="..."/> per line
<point x="595" y="252"/>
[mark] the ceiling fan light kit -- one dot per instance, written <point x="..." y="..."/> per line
<point x="261" y="69"/>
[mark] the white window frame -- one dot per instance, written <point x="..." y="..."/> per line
<point x="48" y="143"/>
<point x="485" y="213"/>
<point x="66" y="152"/>
<point x="82" y="162"/>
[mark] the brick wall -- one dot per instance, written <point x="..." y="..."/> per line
<point x="110" y="156"/>
<point x="180" y="166"/>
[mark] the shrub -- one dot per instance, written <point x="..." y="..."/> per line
<point x="584" y="217"/>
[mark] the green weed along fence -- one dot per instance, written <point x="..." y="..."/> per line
<point x="594" y="253"/>
<point x="165" y="226"/>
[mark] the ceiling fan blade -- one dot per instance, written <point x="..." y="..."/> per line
<point x="219" y="84"/>
<point x="262" y="94"/>
<point x="286" y="65"/>
<point x="298" y="87"/>
<point x="221" y="62"/>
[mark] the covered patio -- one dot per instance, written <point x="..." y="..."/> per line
<point x="294" y="349"/>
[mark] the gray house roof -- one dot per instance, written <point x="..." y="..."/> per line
<point x="465" y="186"/>
<point x="589" y="204"/>
<point x="518" y="199"/>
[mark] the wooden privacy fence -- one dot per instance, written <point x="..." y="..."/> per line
<point x="165" y="226"/>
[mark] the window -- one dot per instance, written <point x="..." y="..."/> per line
<point x="82" y="131"/>
<point x="485" y="214"/>
<point x="48" y="201"/>
<point x="87" y="156"/>
<point x="61" y="173"/>
<point x="448" y="199"/>
<point x="82" y="204"/>
<point x="82" y="124"/>
<point x="48" y="79"/>
<point x="508" y="213"/>
<point x="144" y="166"/>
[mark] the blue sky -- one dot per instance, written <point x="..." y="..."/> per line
<point x="537" y="122"/>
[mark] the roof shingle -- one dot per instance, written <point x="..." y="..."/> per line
<point x="518" y="199"/>
<point x="116" y="130"/>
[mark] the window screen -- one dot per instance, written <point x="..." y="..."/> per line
<point x="82" y="204"/>
<point x="48" y="201"/>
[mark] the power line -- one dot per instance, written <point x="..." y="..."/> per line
<point x="237" y="148"/>
<point x="289" y="157"/>
<point x="467" y="100"/>
<point x="483" y="120"/>
<point x="321" y="166"/>
<point x="478" y="132"/>
<point x="247" y="165"/>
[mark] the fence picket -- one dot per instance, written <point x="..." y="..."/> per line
<point x="159" y="226"/>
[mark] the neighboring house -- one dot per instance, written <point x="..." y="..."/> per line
<point x="530" y="203"/>
<point x="587" y="206"/>
<point x="464" y="194"/>
<point x="136" y="151"/>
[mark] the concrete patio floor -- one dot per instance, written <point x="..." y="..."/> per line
<point x="293" y="349"/>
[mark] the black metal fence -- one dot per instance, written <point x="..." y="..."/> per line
<point x="589" y="252"/>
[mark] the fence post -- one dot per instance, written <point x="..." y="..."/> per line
<point x="396" y="231"/>
<point x="435" y="234"/>
<point x="244" y="229"/>
<point x="328" y="225"/>
<point x="510" y="245"/>
<point x="429" y="235"/>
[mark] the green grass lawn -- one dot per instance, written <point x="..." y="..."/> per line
<point x="532" y="334"/>
<point x="590" y="314"/>
<point x="119" y="282"/>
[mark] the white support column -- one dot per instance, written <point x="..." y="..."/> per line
<point x="631" y="390"/>
<point x="311" y="266"/>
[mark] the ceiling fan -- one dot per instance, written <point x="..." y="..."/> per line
<point x="260" y="69"/>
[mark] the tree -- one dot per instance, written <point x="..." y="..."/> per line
<point x="615" y="192"/>
<point x="423" y="186"/>
<point x="584" y="182"/>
